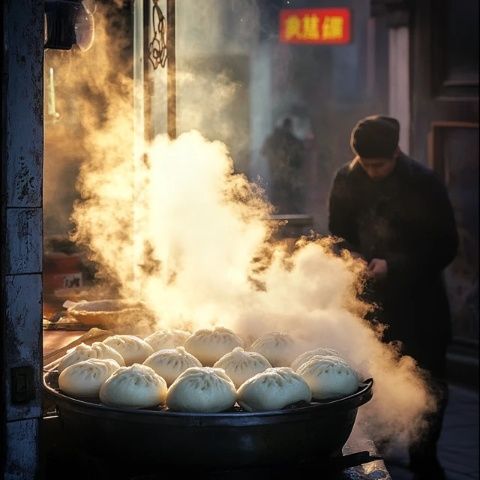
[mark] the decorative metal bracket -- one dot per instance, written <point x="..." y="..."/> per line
<point x="157" y="48"/>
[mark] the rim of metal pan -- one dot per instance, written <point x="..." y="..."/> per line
<point x="349" y="402"/>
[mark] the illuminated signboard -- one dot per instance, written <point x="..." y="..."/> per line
<point x="327" y="26"/>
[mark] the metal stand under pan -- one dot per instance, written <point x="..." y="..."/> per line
<point x="76" y="464"/>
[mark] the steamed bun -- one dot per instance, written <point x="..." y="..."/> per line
<point x="84" y="352"/>
<point x="84" y="379"/>
<point x="203" y="390"/>
<point x="163" y="339"/>
<point x="273" y="389"/>
<point x="209" y="345"/>
<point x="240" y="365"/>
<point x="131" y="348"/>
<point x="329" y="377"/>
<point x="170" y="363"/>
<point x="137" y="386"/>
<point x="306" y="356"/>
<point x="278" y="348"/>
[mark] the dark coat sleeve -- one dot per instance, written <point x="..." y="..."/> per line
<point x="341" y="218"/>
<point x="432" y="241"/>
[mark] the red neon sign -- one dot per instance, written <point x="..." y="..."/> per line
<point x="315" y="26"/>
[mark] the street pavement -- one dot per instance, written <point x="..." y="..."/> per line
<point x="458" y="446"/>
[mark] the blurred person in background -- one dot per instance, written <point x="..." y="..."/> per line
<point x="285" y="154"/>
<point x="395" y="214"/>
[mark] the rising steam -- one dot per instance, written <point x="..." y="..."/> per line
<point x="175" y="227"/>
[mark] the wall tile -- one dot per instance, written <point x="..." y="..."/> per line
<point x="22" y="450"/>
<point x="23" y="127"/>
<point x="23" y="240"/>
<point x="23" y="338"/>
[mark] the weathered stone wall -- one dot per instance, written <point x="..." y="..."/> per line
<point x="21" y="232"/>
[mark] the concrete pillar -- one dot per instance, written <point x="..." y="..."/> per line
<point x="398" y="14"/>
<point x="399" y="82"/>
<point x="21" y="237"/>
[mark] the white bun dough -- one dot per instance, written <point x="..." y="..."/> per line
<point x="210" y="345"/>
<point x="131" y="348"/>
<point x="273" y="389"/>
<point x="167" y="339"/>
<point x="306" y="356"/>
<point x="84" y="352"/>
<point x="202" y="390"/>
<point x="240" y="365"/>
<point x="329" y="377"/>
<point x="84" y="379"/>
<point x="170" y="363"/>
<point x="137" y="386"/>
<point x="278" y="348"/>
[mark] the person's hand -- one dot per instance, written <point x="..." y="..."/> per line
<point x="377" y="268"/>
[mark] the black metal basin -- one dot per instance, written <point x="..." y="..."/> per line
<point x="229" y="439"/>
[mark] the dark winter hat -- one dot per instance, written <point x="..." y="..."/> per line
<point x="375" y="137"/>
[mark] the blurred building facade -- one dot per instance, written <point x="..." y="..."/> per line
<point x="414" y="60"/>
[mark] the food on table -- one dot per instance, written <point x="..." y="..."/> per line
<point x="201" y="390"/>
<point x="133" y="349"/>
<point x="306" y="356"/>
<point x="273" y="389"/>
<point x="167" y="339"/>
<point x="329" y="377"/>
<point x="240" y="365"/>
<point x="210" y="345"/>
<point x="278" y="348"/>
<point x="136" y="386"/>
<point x="108" y="313"/>
<point x="84" y="352"/>
<point x="170" y="363"/>
<point x="84" y="379"/>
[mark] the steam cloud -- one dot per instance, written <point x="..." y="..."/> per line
<point x="176" y="228"/>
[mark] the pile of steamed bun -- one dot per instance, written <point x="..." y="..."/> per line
<point x="206" y="372"/>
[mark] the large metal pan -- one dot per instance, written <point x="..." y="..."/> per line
<point x="228" y="439"/>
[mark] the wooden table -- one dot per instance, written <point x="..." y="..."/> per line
<point x="57" y="342"/>
<point x="55" y="339"/>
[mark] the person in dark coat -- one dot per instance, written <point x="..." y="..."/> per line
<point x="285" y="154"/>
<point x="396" y="214"/>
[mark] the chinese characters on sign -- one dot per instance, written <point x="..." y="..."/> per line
<point x="315" y="25"/>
